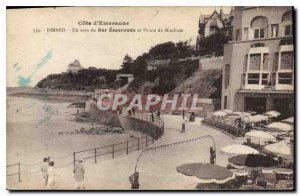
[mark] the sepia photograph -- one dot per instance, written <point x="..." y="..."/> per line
<point x="186" y="98"/>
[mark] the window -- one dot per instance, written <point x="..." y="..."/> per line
<point x="245" y="33"/>
<point x="287" y="21"/>
<point x="264" y="79"/>
<point x="227" y="75"/>
<point x="226" y="32"/>
<point x="266" y="62"/>
<point x="260" y="26"/>
<point x="286" y="62"/>
<point x="254" y="62"/>
<point x="275" y="63"/>
<point x="213" y="31"/>
<point x="288" y="30"/>
<point x="237" y="35"/>
<point x="259" y="33"/>
<point x="214" y="22"/>
<point x="284" y="78"/>
<point x="253" y="78"/>
<point x="274" y="30"/>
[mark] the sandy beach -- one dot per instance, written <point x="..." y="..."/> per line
<point x="30" y="138"/>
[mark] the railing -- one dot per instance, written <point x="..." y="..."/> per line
<point x="17" y="173"/>
<point x="123" y="147"/>
<point x="147" y="117"/>
<point x="113" y="149"/>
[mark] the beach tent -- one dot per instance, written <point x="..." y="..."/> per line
<point x="237" y="149"/>
<point x="280" y="126"/>
<point x="282" y="149"/>
<point x="272" y="113"/>
<point x="261" y="136"/>
<point x="206" y="172"/>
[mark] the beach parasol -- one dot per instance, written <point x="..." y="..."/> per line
<point x="206" y="172"/>
<point x="242" y="114"/>
<point x="227" y="111"/>
<point x="272" y="113"/>
<point x="281" y="126"/>
<point x="289" y="121"/>
<point x="251" y="187"/>
<point x="220" y="113"/>
<point x="282" y="149"/>
<point x="252" y="161"/>
<point x="261" y="136"/>
<point x="237" y="149"/>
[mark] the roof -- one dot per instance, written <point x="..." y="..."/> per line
<point x="223" y="17"/>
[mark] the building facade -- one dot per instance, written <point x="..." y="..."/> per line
<point x="211" y="24"/>
<point x="258" y="69"/>
<point x="74" y="67"/>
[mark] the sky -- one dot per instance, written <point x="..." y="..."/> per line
<point x="31" y="55"/>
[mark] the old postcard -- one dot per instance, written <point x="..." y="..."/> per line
<point x="150" y="98"/>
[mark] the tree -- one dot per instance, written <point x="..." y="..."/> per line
<point x="214" y="44"/>
<point x="127" y="63"/>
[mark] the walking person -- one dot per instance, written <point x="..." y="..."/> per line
<point x="158" y="114"/>
<point x="133" y="111"/>
<point x="79" y="171"/>
<point x="44" y="168"/>
<point x="51" y="176"/>
<point x="212" y="155"/>
<point x="152" y="116"/>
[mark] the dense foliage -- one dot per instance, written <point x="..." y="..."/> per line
<point x="85" y="79"/>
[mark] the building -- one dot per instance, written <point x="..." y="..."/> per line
<point x="74" y="67"/>
<point x="211" y="24"/>
<point x="258" y="69"/>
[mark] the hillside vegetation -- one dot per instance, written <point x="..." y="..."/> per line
<point x="165" y="79"/>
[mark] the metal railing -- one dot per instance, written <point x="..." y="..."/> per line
<point x="124" y="147"/>
<point x="17" y="173"/>
<point x="110" y="150"/>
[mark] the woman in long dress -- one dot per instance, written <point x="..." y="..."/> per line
<point x="51" y="176"/>
<point x="79" y="175"/>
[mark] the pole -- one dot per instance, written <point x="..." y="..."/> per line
<point x="95" y="155"/>
<point x="113" y="151"/>
<point x="127" y="147"/>
<point x="146" y="141"/>
<point x="138" y="144"/>
<point x="19" y="171"/>
<point x="74" y="159"/>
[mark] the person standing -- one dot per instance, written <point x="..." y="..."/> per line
<point x="79" y="171"/>
<point x="51" y="176"/>
<point x="183" y="124"/>
<point x="44" y="169"/>
<point x="152" y="116"/>
<point x="134" y="180"/>
<point x="158" y="114"/>
<point x="212" y="155"/>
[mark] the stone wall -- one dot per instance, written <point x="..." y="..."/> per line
<point x="146" y="127"/>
